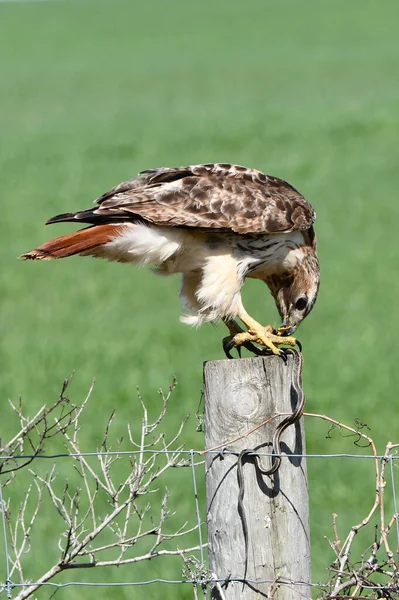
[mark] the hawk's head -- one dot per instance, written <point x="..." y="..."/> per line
<point x="295" y="293"/>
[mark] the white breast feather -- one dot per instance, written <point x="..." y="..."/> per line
<point x="219" y="291"/>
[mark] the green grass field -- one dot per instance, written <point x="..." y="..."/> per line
<point x="92" y="93"/>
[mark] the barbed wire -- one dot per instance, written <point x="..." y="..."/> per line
<point x="221" y="452"/>
<point x="281" y="580"/>
<point x="229" y="579"/>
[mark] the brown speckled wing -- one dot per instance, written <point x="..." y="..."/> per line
<point x="213" y="196"/>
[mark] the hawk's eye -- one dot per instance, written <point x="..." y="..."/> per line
<point x="301" y="303"/>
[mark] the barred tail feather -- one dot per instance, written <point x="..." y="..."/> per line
<point x="86" y="241"/>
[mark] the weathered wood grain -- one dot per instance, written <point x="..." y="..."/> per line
<point x="240" y="394"/>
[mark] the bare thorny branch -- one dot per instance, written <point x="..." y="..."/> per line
<point x="91" y="537"/>
<point x="351" y="578"/>
<point x="35" y="431"/>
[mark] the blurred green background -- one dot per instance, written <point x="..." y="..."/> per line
<point x="92" y="93"/>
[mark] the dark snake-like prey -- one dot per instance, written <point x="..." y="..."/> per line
<point x="276" y="456"/>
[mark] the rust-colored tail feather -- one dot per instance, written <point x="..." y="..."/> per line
<point x="84" y="241"/>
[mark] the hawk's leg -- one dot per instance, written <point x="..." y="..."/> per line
<point x="264" y="336"/>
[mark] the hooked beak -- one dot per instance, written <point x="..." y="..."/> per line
<point x="286" y="329"/>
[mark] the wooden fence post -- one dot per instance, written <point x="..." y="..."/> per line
<point x="240" y="394"/>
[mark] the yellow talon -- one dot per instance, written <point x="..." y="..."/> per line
<point x="264" y="336"/>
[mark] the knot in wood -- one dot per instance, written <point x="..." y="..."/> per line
<point x="249" y="408"/>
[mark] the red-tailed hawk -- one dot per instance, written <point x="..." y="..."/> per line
<point x="216" y="224"/>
